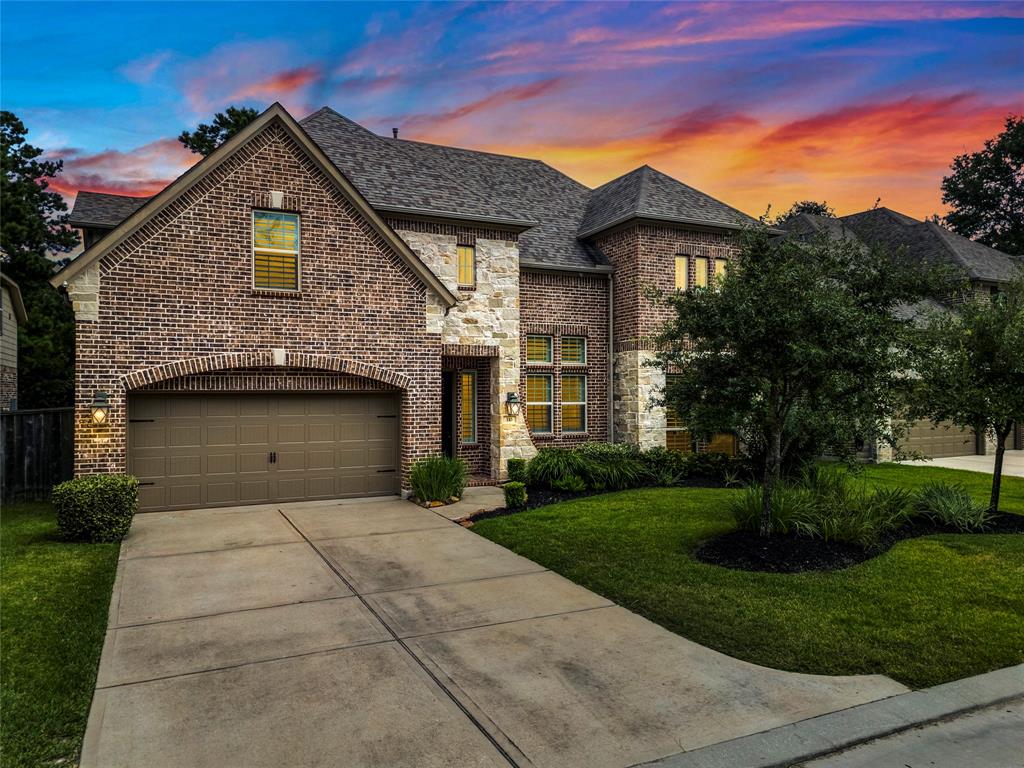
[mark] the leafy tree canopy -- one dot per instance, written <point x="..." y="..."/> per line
<point x="34" y="222"/>
<point x="208" y="136"/>
<point x="969" y="367"/>
<point x="986" y="191"/>
<point x="798" y="347"/>
<point x="806" y="206"/>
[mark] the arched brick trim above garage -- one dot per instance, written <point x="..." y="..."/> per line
<point x="261" y="359"/>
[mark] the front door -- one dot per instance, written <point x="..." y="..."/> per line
<point x="448" y="413"/>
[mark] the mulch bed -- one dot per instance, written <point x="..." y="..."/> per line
<point x="747" y="551"/>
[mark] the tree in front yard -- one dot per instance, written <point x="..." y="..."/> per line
<point x="35" y="222"/>
<point x="208" y="136"/>
<point x="969" y="368"/>
<point x="985" y="191"/>
<point x="799" y="347"/>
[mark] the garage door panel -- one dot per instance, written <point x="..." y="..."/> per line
<point x="221" y="493"/>
<point x="184" y="495"/>
<point x="250" y="462"/>
<point x="148" y="435"/>
<point x="221" y="464"/>
<point x="250" y="405"/>
<point x="291" y="433"/>
<point x="355" y="431"/>
<point x="380" y="429"/>
<point x="288" y="461"/>
<point x="380" y="456"/>
<point x="222" y="434"/>
<point x="321" y="432"/>
<point x="184" y="466"/>
<point x="150" y="466"/>
<point x="184" y="408"/>
<point x="320" y="460"/>
<point x="185" y="437"/>
<point x="152" y="497"/>
<point x="253" y="490"/>
<point x="253" y="434"/>
<point x="939" y="441"/>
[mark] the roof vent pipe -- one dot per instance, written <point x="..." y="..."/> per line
<point x="394" y="132"/>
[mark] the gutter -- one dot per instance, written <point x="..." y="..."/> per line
<point x="596" y="269"/>
<point x="718" y="225"/>
<point x="611" y="358"/>
<point x="518" y="225"/>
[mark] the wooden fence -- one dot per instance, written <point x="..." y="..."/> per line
<point x="36" y="452"/>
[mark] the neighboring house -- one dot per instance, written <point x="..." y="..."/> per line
<point x="314" y="307"/>
<point x="930" y="244"/>
<point x="12" y="315"/>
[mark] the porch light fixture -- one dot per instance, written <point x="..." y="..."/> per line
<point x="100" y="408"/>
<point x="512" y="404"/>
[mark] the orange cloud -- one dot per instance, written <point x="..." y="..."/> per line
<point x="279" y="85"/>
<point x="142" y="171"/>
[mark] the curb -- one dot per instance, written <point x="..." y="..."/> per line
<point x="792" y="744"/>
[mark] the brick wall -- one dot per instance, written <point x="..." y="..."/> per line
<point x="477" y="455"/>
<point x="180" y="290"/>
<point x="644" y="257"/>
<point x="571" y="305"/>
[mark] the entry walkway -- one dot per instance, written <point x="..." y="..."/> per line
<point x="378" y="633"/>
<point x="1013" y="463"/>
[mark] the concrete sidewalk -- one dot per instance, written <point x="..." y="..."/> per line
<point x="381" y="634"/>
<point x="1013" y="463"/>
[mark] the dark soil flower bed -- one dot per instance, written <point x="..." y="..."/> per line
<point x="747" y="551"/>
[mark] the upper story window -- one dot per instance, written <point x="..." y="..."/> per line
<point x="538" y="350"/>
<point x="682" y="273"/>
<point x="275" y="249"/>
<point x="574" y="350"/>
<point x="721" y="265"/>
<point x="700" y="273"/>
<point x="467" y="266"/>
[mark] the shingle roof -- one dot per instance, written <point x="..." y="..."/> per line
<point x="930" y="243"/>
<point x="398" y="175"/>
<point x="809" y="224"/>
<point x="102" y="210"/>
<point x="646" y="193"/>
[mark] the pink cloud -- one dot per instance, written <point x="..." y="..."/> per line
<point x="279" y="86"/>
<point x="141" y="71"/>
<point x="142" y="171"/>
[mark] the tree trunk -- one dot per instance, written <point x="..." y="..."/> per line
<point x="997" y="470"/>
<point x="772" y="466"/>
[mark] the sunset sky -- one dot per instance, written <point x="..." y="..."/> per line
<point x="754" y="103"/>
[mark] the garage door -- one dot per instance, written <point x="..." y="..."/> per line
<point x="220" y="450"/>
<point x="937" y="442"/>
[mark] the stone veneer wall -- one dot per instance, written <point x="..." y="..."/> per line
<point x="176" y="299"/>
<point x="486" y="316"/>
<point x="569" y="304"/>
<point x="644" y="258"/>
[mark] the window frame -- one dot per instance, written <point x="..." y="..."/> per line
<point x="458" y="265"/>
<point x="682" y="260"/>
<point x="581" y="403"/>
<point x="549" y="403"/>
<point x="721" y="267"/>
<point x="701" y="260"/>
<point x="298" y="251"/>
<point x="583" y="346"/>
<point x="551" y="349"/>
<point x="678" y="426"/>
<point x="462" y="406"/>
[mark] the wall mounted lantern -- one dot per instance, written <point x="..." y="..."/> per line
<point x="100" y="408"/>
<point x="512" y="404"/>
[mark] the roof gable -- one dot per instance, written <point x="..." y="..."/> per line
<point x="185" y="182"/>
<point x="98" y="209"/>
<point x="646" y="193"/>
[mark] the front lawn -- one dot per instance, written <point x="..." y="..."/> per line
<point x="929" y="610"/>
<point x="53" y="598"/>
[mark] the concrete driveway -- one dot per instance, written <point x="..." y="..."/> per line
<point x="1013" y="463"/>
<point x="377" y="633"/>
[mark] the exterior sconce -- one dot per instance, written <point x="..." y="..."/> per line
<point x="100" y="408"/>
<point x="512" y="405"/>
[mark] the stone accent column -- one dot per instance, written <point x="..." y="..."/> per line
<point x="637" y="388"/>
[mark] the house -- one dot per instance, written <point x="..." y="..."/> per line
<point x="12" y="315"/>
<point x="928" y="243"/>
<point x="313" y="307"/>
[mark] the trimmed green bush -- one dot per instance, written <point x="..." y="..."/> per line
<point x="96" y="507"/>
<point x="517" y="470"/>
<point x="570" y="484"/>
<point x="665" y="467"/>
<point x="952" y="505"/>
<point x="438" y="479"/>
<point x="515" y="494"/>
<point x="712" y="465"/>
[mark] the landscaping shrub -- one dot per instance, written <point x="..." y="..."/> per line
<point x="438" y="479"/>
<point x="551" y="465"/>
<point x="570" y="484"/>
<point x="517" y="470"/>
<point x="591" y="466"/>
<point x="515" y="494"/>
<point x="951" y="505"/>
<point x="96" y="507"/>
<point x="665" y="467"/>
<point x="827" y="504"/>
<point x="710" y="465"/>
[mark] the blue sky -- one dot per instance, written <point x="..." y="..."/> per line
<point x="756" y="103"/>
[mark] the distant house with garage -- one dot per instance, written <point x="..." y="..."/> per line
<point x="12" y="316"/>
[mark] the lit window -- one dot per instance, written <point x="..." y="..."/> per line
<point x="700" y="273"/>
<point x="682" y="272"/>
<point x="538" y="402"/>
<point x="677" y="437"/>
<point x="275" y="247"/>
<point x="574" y="350"/>
<point x="467" y="266"/>
<point x="574" y="403"/>
<point x="538" y="349"/>
<point x="467" y="414"/>
<point x="721" y="265"/>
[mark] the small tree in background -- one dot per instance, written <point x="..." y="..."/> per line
<point x="806" y="206"/>
<point x="969" y="368"/>
<point x="208" y="136"/>
<point x="35" y="222"/>
<point x="798" y="346"/>
<point x="985" y="191"/>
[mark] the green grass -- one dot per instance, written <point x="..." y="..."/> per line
<point x="929" y="610"/>
<point x="53" y="598"/>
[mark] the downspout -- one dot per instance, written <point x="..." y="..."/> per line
<point x="611" y="358"/>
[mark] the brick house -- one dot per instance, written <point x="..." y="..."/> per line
<point x="313" y="307"/>
<point x="12" y="316"/>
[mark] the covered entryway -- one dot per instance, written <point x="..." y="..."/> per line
<point x="941" y="441"/>
<point x="207" y="450"/>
